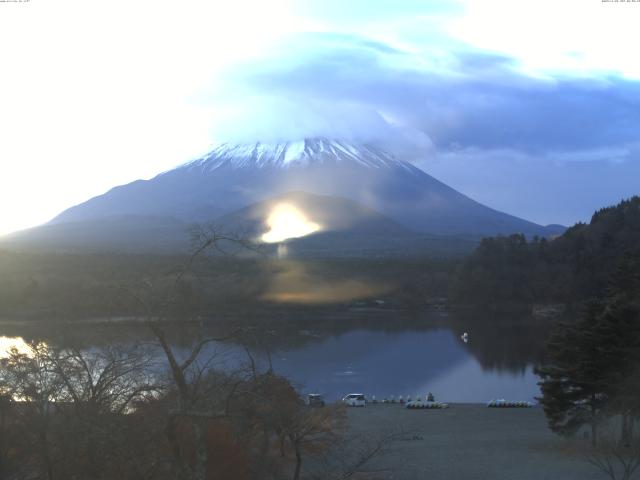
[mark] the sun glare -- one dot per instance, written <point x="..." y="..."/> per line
<point x="286" y="221"/>
<point x="7" y="343"/>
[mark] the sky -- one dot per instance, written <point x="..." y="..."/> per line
<point x="530" y="107"/>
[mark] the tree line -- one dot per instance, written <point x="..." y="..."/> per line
<point x="513" y="271"/>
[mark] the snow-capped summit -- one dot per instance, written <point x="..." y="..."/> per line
<point x="310" y="151"/>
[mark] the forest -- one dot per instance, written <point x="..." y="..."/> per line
<point x="77" y="287"/>
<point x="512" y="271"/>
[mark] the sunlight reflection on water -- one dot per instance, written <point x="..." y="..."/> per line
<point x="7" y="343"/>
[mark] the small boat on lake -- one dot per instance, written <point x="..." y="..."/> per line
<point x="419" y="404"/>
<point x="502" y="403"/>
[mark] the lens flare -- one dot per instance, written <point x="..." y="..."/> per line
<point x="296" y="282"/>
<point x="286" y="221"/>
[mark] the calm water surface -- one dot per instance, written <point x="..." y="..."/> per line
<point x="496" y="362"/>
<point x="407" y="363"/>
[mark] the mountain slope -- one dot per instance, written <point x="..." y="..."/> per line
<point x="344" y="229"/>
<point x="235" y="176"/>
<point x="117" y="233"/>
<point x="331" y="214"/>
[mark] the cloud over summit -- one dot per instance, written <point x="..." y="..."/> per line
<point x="139" y="88"/>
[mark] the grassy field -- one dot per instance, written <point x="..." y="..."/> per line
<point x="471" y="442"/>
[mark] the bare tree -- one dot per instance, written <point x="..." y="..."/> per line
<point x="96" y="413"/>
<point x="30" y="378"/>
<point x="11" y="438"/>
<point x="313" y="431"/>
<point x="72" y="405"/>
<point x="618" y="458"/>
<point x="109" y="379"/>
<point x="158" y="302"/>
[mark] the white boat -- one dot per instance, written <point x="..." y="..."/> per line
<point x="419" y="404"/>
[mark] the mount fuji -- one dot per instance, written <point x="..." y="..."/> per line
<point x="231" y="178"/>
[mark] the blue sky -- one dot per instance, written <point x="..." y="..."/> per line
<point x="532" y="108"/>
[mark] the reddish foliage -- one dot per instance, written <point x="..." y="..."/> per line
<point x="226" y="459"/>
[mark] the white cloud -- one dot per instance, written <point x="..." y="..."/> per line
<point x="577" y="37"/>
<point x="267" y="119"/>
<point x="94" y="94"/>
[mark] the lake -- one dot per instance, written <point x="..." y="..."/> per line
<point x="407" y="363"/>
<point x="382" y="358"/>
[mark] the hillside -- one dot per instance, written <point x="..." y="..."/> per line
<point x="575" y="266"/>
<point x="345" y="229"/>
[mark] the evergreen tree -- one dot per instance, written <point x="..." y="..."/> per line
<point x="573" y="267"/>
<point x="619" y="330"/>
<point x="574" y="384"/>
<point x="594" y="368"/>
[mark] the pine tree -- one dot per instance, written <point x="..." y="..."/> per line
<point x="619" y="329"/>
<point x="594" y="368"/>
<point x="574" y="385"/>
